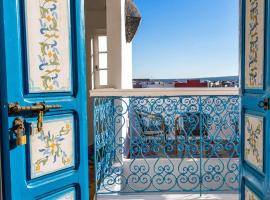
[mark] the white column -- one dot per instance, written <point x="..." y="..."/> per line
<point x="119" y="51"/>
<point x="119" y="62"/>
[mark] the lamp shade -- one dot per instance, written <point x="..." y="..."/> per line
<point x="133" y="19"/>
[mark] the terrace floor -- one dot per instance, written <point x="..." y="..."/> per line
<point x="169" y="196"/>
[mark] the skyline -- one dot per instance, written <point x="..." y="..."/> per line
<point x="200" y="41"/>
<point x="195" y="78"/>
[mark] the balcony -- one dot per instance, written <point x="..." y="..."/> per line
<point x="184" y="140"/>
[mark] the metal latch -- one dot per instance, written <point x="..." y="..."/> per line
<point x="264" y="103"/>
<point x="39" y="108"/>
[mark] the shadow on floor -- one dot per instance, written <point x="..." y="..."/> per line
<point x="169" y="197"/>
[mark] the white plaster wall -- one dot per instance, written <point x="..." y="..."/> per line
<point x="119" y="51"/>
<point x="119" y="58"/>
<point x="111" y="19"/>
<point x="114" y="42"/>
<point x="94" y="19"/>
<point x="126" y="53"/>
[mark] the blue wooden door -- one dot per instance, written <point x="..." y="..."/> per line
<point x="255" y="63"/>
<point x="43" y="67"/>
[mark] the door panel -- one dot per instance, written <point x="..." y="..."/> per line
<point x="48" y="42"/>
<point x="53" y="149"/>
<point x="255" y="89"/>
<point x="254" y="40"/>
<point x="68" y="194"/>
<point x="45" y="62"/>
<point x="250" y="194"/>
<point x="254" y="141"/>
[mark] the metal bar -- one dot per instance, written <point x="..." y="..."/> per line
<point x="139" y="159"/>
<point x="201" y="147"/>
<point x="169" y="92"/>
<point x="95" y="142"/>
<point x="16" y="108"/>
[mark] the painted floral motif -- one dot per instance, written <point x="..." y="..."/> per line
<point x="249" y="195"/>
<point x="52" y="149"/>
<point x="254" y="44"/>
<point x="254" y="141"/>
<point x="48" y="35"/>
<point x="49" y="53"/>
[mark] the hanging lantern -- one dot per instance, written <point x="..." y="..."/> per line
<point x="133" y="18"/>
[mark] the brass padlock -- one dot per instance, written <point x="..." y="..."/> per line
<point x="19" y="129"/>
<point x="21" y="140"/>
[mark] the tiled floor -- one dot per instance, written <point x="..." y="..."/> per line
<point x="169" y="197"/>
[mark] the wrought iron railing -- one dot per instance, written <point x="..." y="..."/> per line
<point x="175" y="143"/>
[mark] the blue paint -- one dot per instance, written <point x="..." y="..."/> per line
<point x="5" y="162"/>
<point x="186" y="150"/>
<point x="14" y="80"/>
<point x="252" y="177"/>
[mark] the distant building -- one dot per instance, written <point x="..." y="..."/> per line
<point x="191" y="83"/>
<point x="230" y="81"/>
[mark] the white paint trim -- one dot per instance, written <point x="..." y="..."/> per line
<point x="165" y="92"/>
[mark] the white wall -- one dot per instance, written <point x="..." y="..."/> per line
<point x="119" y="51"/>
<point x="94" y="19"/>
<point x="112" y="19"/>
<point x="119" y="57"/>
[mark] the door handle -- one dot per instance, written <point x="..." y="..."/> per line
<point x="264" y="103"/>
<point x="39" y="108"/>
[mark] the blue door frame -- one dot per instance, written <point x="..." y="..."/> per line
<point x="17" y="180"/>
<point x="255" y="173"/>
<point x="5" y="162"/>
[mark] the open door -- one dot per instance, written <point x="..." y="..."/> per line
<point x="255" y="183"/>
<point x="44" y="99"/>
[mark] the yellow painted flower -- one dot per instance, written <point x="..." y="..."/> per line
<point x="50" y="87"/>
<point x="53" y="147"/>
<point x="252" y="197"/>
<point x="38" y="167"/>
<point x="68" y="160"/>
<point x="67" y="126"/>
<point x="50" y="54"/>
<point x="49" y="18"/>
<point x="247" y="152"/>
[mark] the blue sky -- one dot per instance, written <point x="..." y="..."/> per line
<point x="186" y="39"/>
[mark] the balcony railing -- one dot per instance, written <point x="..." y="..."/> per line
<point x="183" y="140"/>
